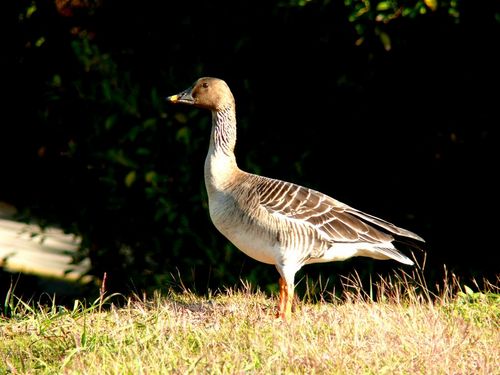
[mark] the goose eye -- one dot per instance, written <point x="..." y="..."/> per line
<point x="205" y="85"/>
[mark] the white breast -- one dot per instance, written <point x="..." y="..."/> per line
<point x="252" y="239"/>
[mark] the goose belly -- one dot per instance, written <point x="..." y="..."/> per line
<point x="252" y="239"/>
<point x="252" y="245"/>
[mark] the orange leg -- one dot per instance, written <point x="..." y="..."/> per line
<point x="285" y="300"/>
<point x="282" y="298"/>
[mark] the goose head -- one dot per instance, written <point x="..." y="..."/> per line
<point x="208" y="93"/>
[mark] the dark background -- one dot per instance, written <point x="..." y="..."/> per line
<point x="392" y="109"/>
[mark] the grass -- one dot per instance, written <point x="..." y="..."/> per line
<point x="398" y="327"/>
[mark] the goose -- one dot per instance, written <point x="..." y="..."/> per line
<point x="278" y="222"/>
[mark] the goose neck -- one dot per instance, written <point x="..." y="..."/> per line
<point x="223" y="137"/>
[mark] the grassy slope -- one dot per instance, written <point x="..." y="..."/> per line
<point x="405" y="331"/>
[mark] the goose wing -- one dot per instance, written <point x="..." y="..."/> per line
<point x="335" y="220"/>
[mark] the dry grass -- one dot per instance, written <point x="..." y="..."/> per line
<point x="406" y="331"/>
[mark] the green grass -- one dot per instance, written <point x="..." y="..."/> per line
<point x="397" y="328"/>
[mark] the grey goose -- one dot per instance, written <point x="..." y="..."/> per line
<point x="274" y="221"/>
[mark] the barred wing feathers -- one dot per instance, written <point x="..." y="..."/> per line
<point x="335" y="220"/>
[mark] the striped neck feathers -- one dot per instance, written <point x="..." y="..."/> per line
<point x="223" y="137"/>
